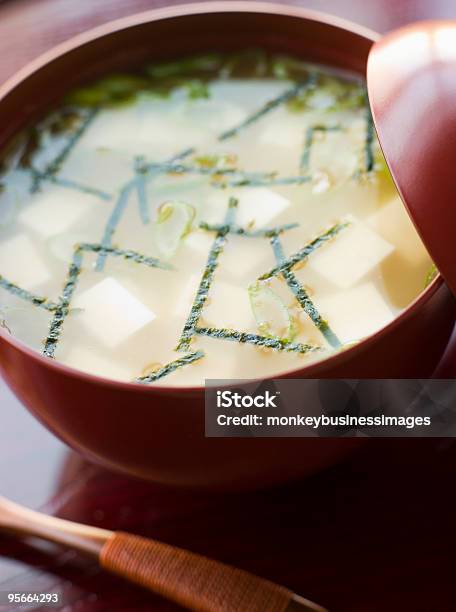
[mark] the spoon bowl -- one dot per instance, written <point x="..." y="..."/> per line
<point x="411" y="77"/>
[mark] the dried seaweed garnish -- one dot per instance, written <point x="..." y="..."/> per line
<point x="267" y="180"/>
<point x="237" y="178"/>
<point x="28" y="296"/>
<point x="224" y="177"/>
<point x="303" y="253"/>
<point x="171" y="367"/>
<point x="207" y="278"/>
<point x="40" y="177"/>
<point x="142" y="198"/>
<point x="309" y="140"/>
<point x="281" y="99"/>
<point x="369" y="155"/>
<point x="32" y="144"/>
<point x="241" y="231"/>
<point x="63" y="307"/>
<point x="141" y="171"/>
<point x="56" y="164"/>
<point x="64" y="121"/>
<point x="302" y="297"/>
<point x="177" y="168"/>
<point x="126" y="254"/>
<point x="277" y="344"/>
<point x="113" y="222"/>
<point x="173" y="166"/>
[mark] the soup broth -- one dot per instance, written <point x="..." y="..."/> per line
<point x="221" y="216"/>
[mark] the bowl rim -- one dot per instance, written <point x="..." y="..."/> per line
<point x="187" y="10"/>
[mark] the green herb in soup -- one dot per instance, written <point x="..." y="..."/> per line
<point x="215" y="216"/>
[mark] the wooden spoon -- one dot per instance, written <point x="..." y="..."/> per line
<point x="193" y="581"/>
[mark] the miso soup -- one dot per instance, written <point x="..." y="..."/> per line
<point x="220" y="216"/>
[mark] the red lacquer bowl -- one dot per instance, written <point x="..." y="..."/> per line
<point x="158" y="433"/>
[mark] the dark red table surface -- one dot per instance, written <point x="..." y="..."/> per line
<point x="374" y="533"/>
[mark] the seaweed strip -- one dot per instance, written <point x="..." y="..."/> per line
<point x="267" y="181"/>
<point x="304" y="164"/>
<point x="216" y="173"/>
<point x="142" y="198"/>
<point x="303" y="253"/>
<point x="236" y="178"/>
<point x="171" y="367"/>
<point x="277" y="344"/>
<point x="36" y="300"/>
<point x="127" y="254"/>
<point x="63" y="306"/>
<point x="283" y="98"/>
<point x="309" y="308"/>
<point x="180" y="168"/>
<point x="39" y="177"/>
<point x="113" y="222"/>
<point x="240" y="231"/>
<point x="207" y="277"/>
<point x="122" y="200"/>
<point x="56" y="164"/>
<point x="303" y="298"/>
<point x="369" y="157"/>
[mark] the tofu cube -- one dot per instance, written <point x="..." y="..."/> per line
<point x="200" y="241"/>
<point x="55" y="210"/>
<point x="352" y="254"/>
<point x="257" y="205"/>
<point x="392" y="222"/>
<point x="355" y="313"/>
<point x="21" y="263"/>
<point x="110" y="313"/>
<point x="88" y="361"/>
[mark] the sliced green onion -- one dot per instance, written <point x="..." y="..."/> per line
<point x="198" y="63"/>
<point x="431" y="274"/>
<point x="173" y="223"/>
<point x="197" y="89"/>
<point x="271" y="314"/>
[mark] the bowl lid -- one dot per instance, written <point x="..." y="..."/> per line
<point x="411" y="80"/>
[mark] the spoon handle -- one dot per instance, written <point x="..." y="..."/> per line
<point x="191" y="580"/>
<point x="194" y="581"/>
